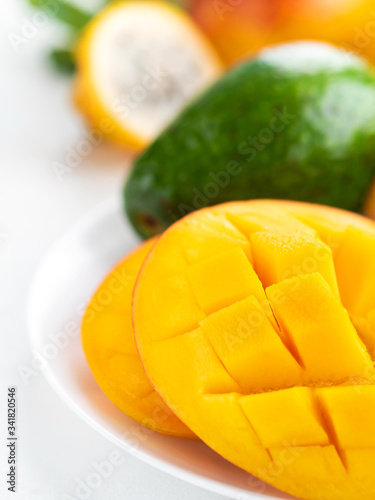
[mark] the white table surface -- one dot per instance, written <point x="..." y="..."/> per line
<point x="37" y="124"/>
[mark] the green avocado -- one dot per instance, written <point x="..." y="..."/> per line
<point x="296" y="122"/>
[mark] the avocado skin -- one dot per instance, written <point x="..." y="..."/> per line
<point x="314" y="131"/>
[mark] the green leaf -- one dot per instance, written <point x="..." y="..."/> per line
<point x="63" y="60"/>
<point x="64" y="11"/>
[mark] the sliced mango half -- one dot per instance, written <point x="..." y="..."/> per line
<point x="255" y="322"/>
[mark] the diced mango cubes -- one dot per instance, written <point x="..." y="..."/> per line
<point x="208" y="236"/>
<point x="223" y="279"/>
<point x="285" y="254"/>
<point x="320" y="329"/>
<point x="183" y="314"/>
<point x="250" y="223"/>
<point x="206" y="372"/>
<point x="286" y="418"/>
<point x="351" y="411"/>
<point x="321" y="466"/>
<point x="250" y="348"/>
<point x="356" y="281"/>
<point x="230" y="411"/>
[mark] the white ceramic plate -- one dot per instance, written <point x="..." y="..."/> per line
<point x="63" y="284"/>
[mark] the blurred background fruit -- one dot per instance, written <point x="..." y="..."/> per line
<point x="239" y="27"/>
<point x="119" y="48"/>
<point x="296" y="122"/>
<point x="138" y="65"/>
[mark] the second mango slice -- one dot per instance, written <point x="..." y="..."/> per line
<point x="108" y="342"/>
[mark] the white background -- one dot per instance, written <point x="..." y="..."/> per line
<point x="38" y="124"/>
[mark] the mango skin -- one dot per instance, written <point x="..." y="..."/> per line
<point x="307" y="438"/>
<point x="295" y="122"/>
<point x="108" y="343"/>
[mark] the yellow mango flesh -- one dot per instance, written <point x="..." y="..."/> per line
<point x="271" y="220"/>
<point x="182" y="315"/>
<point x="286" y="418"/>
<point x="250" y="348"/>
<point x="218" y="235"/>
<point x="108" y="342"/>
<point x="235" y="280"/>
<point x="281" y="255"/>
<point x="276" y="378"/>
<point x="320" y="330"/>
<point x="365" y="327"/>
<point x="351" y="411"/>
<point x="322" y="469"/>
<point x="330" y="232"/>
<point x="357" y="290"/>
